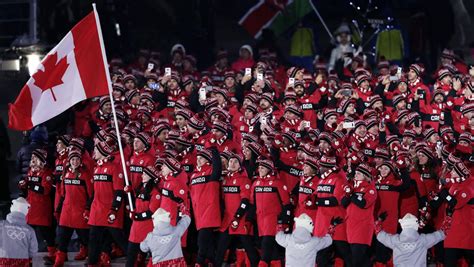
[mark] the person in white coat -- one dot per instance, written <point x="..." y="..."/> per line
<point x="409" y="247"/>
<point x="343" y="48"/>
<point x="300" y="246"/>
<point x="164" y="242"/>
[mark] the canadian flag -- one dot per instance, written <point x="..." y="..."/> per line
<point x="73" y="71"/>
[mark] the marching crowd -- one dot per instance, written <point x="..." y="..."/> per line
<point x="266" y="164"/>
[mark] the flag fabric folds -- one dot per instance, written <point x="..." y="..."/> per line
<point x="72" y="71"/>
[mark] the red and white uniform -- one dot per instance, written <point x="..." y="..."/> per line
<point x="205" y="190"/>
<point x="269" y="195"/>
<point x="59" y="167"/>
<point x="235" y="189"/>
<point x="147" y="201"/>
<point x="360" y="220"/>
<point x="330" y="191"/>
<point x="138" y="161"/>
<point x="108" y="180"/>
<point x="307" y="192"/>
<point x="77" y="191"/>
<point x="39" y="187"/>
<point x="461" y="235"/>
<point x="388" y="194"/>
<point x="174" y="192"/>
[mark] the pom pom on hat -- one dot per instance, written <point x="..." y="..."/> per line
<point x="41" y="154"/>
<point x="409" y="221"/>
<point x="20" y="205"/>
<point x="161" y="215"/>
<point x="304" y="221"/>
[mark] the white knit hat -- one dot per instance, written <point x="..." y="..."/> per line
<point x="304" y="221"/>
<point x="409" y="221"/>
<point x="247" y="47"/>
<point x="20" y="205"/>
<point x="177" y="47"/>
<point x="161" y="215"/>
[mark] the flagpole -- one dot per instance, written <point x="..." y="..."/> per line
<point x="321" y="19"/>
<point x="109" y="84"/>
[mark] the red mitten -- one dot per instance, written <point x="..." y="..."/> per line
<point x="22" y="184"/>
<point x="86" y="214"/>
<point x="401" y="162"/>
<point x="282" y="228"/>
<point x="348" y="189"/>
<point x="446" y="224"/>
<point x="378" y="226"/>
<point x="183" y="209"/>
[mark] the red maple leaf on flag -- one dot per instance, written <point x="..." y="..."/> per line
<point x="52" y="74"/>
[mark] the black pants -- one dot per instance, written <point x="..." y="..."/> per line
<point x="340" y="249"/>
<point x="65" y="234"/>
<point x="98" y="241"/>
<point x="271" y="250"/>
<point x="48" y="234"/>
<point x="382" y="253"/>
<point x="452" y="255"/>
<point x="439" y="252"/>
<point x="132" y="253"/>
<point x="206" y="245"/>
<point x="225" y="241"/>
<point x="360" y="255"/>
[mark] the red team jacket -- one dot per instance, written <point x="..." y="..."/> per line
<point x="108" y="180"/>
<point x="205" y="190"/>
<point x="269" y="195"/>
<point x="41" y="206"/>
<point x="330" y="192"/>
<point x="147" y="201"/>
<point x="307" y="192"/>
<point x="138" y="161"/>
<point x="461" y="235"/>
<point x="59" y="167"/>
<point x="360" y="220"/>
<point x="76" y="194"/>
<point x="174" y="192"/>
<point x="388" y="193"/>
<point x="235" y="191"/>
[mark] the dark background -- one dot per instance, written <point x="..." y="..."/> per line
<point x="203" y="26"/>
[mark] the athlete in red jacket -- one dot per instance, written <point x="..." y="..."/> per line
<point x="174" y="191"/>
<point x="59" y="166"/>
<point x="330" y="191"/>
<point x="205" y="191"/>
<point x="235" y="225"/>
<point x="140" y="158"/>
<point x="38" y="185"/>
<point x="75" y="199"/>
<point x="360" y="202"/>
<point x="460" y="240"/>
<point x="107" y="209"/>
<point x="307" y="189"/>
<point x="388" y="192"/>
<point x="147" y="200"/>
<point x="272" y="201"/>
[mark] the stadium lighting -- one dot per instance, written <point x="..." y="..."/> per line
<point x="33" y="62"/>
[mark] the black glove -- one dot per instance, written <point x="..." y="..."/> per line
<point x="336" y="221"/>
<point x="382" y="216"/>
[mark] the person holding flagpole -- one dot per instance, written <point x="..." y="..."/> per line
<point x="107" y="209"/>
